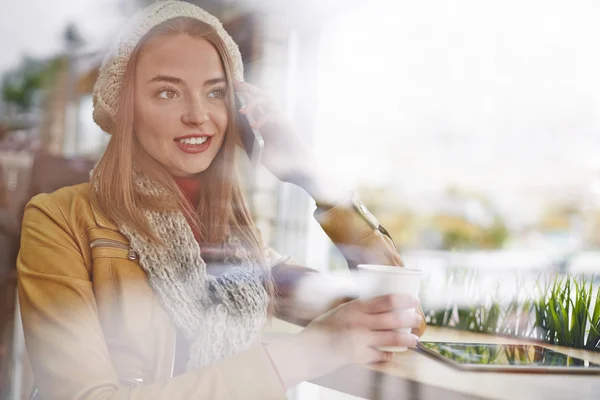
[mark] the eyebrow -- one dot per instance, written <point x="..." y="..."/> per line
<point x="179" y="81"/>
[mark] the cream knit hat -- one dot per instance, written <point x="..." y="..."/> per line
<point x="108" y="85"/>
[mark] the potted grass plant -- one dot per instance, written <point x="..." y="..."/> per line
<point x="567" y="313"/>
<point x="560" y="310"/>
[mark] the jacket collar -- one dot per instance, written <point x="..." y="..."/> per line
<point x="104" y="222"/>
<point x="101" y="220"/>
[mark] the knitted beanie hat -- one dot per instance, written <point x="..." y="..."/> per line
<point x="107" y="88"/>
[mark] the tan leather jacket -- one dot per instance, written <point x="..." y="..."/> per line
<point x="93" y="327"/>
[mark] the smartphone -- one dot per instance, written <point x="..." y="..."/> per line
<point x="252" y="140"/>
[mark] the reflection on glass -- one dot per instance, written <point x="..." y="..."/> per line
<point x="505" y="354"/>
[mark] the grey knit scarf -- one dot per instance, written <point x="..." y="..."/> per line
<point x="218" y="315"/>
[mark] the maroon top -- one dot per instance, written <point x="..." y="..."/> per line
<point x="190" y="186"/>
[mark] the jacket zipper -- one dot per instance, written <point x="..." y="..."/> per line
<point x="109" y="243"/>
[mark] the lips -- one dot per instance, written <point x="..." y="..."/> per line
<point x="193" y="144"/>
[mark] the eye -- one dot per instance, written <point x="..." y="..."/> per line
<point x="217" y="93"/>
<point x="167" y="93"/>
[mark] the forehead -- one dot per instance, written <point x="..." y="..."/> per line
<point x="181" y="56"/>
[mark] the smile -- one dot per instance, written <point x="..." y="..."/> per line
<point x="194" y="140"/>
<point x="194" y="144"/>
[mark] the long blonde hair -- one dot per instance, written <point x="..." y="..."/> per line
<point x="222" y="205"/>
<point x="3" y="189"/>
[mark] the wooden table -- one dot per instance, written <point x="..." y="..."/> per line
<point x="413" y="375"/>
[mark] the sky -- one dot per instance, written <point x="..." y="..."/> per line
<point x="500" y="97"/>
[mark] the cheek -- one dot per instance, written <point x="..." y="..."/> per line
<point x="144" y="118"/>
<point x="153" y="121"/>
<point x="149" y="114"/>
<point x="221" y="119"/>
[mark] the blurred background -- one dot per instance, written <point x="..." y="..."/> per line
<point x="471" y="129"/>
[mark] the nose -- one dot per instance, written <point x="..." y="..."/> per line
<point x="196" y="113"/>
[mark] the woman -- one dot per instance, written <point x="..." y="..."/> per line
<point x="151" y="281"/>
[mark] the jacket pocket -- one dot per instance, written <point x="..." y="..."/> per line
<point x="124" y="296"/>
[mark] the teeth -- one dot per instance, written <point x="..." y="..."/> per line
<point x="196" y="140"/>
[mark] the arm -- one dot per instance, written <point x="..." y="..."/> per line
<point x="303" y="293"/>
<point x="288" y="157"/>
<point x="65" y="340"/>
<point x="354" y="231"/>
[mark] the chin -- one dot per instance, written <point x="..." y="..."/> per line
<point x="196" y="169"/>
<point x="190" y="166"/>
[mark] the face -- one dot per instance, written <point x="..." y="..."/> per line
<point x="180" y="113"/>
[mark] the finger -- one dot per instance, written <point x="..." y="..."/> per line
<point x="393" y="338"/>
<point x="393" y="320"/>
<point x="248" y="88"/>
<point x="263" y="120"/>
<point x="252" y="104"/>
<point x="384" y="356"/>
<point x="373" y="355"/>
<point x="389" y="302"/>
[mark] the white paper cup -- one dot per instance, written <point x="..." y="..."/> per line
<point x="378" y="280"/>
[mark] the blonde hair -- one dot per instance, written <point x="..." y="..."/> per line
<point x="3" y="190"/>
<point x="222" y="205"/>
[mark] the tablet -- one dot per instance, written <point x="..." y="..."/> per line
<point x="507" y="358"/>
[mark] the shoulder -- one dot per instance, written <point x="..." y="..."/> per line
<point x="64" y="198"/>
<point x="54" y="238"/>
<point x="69" y="206"/>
